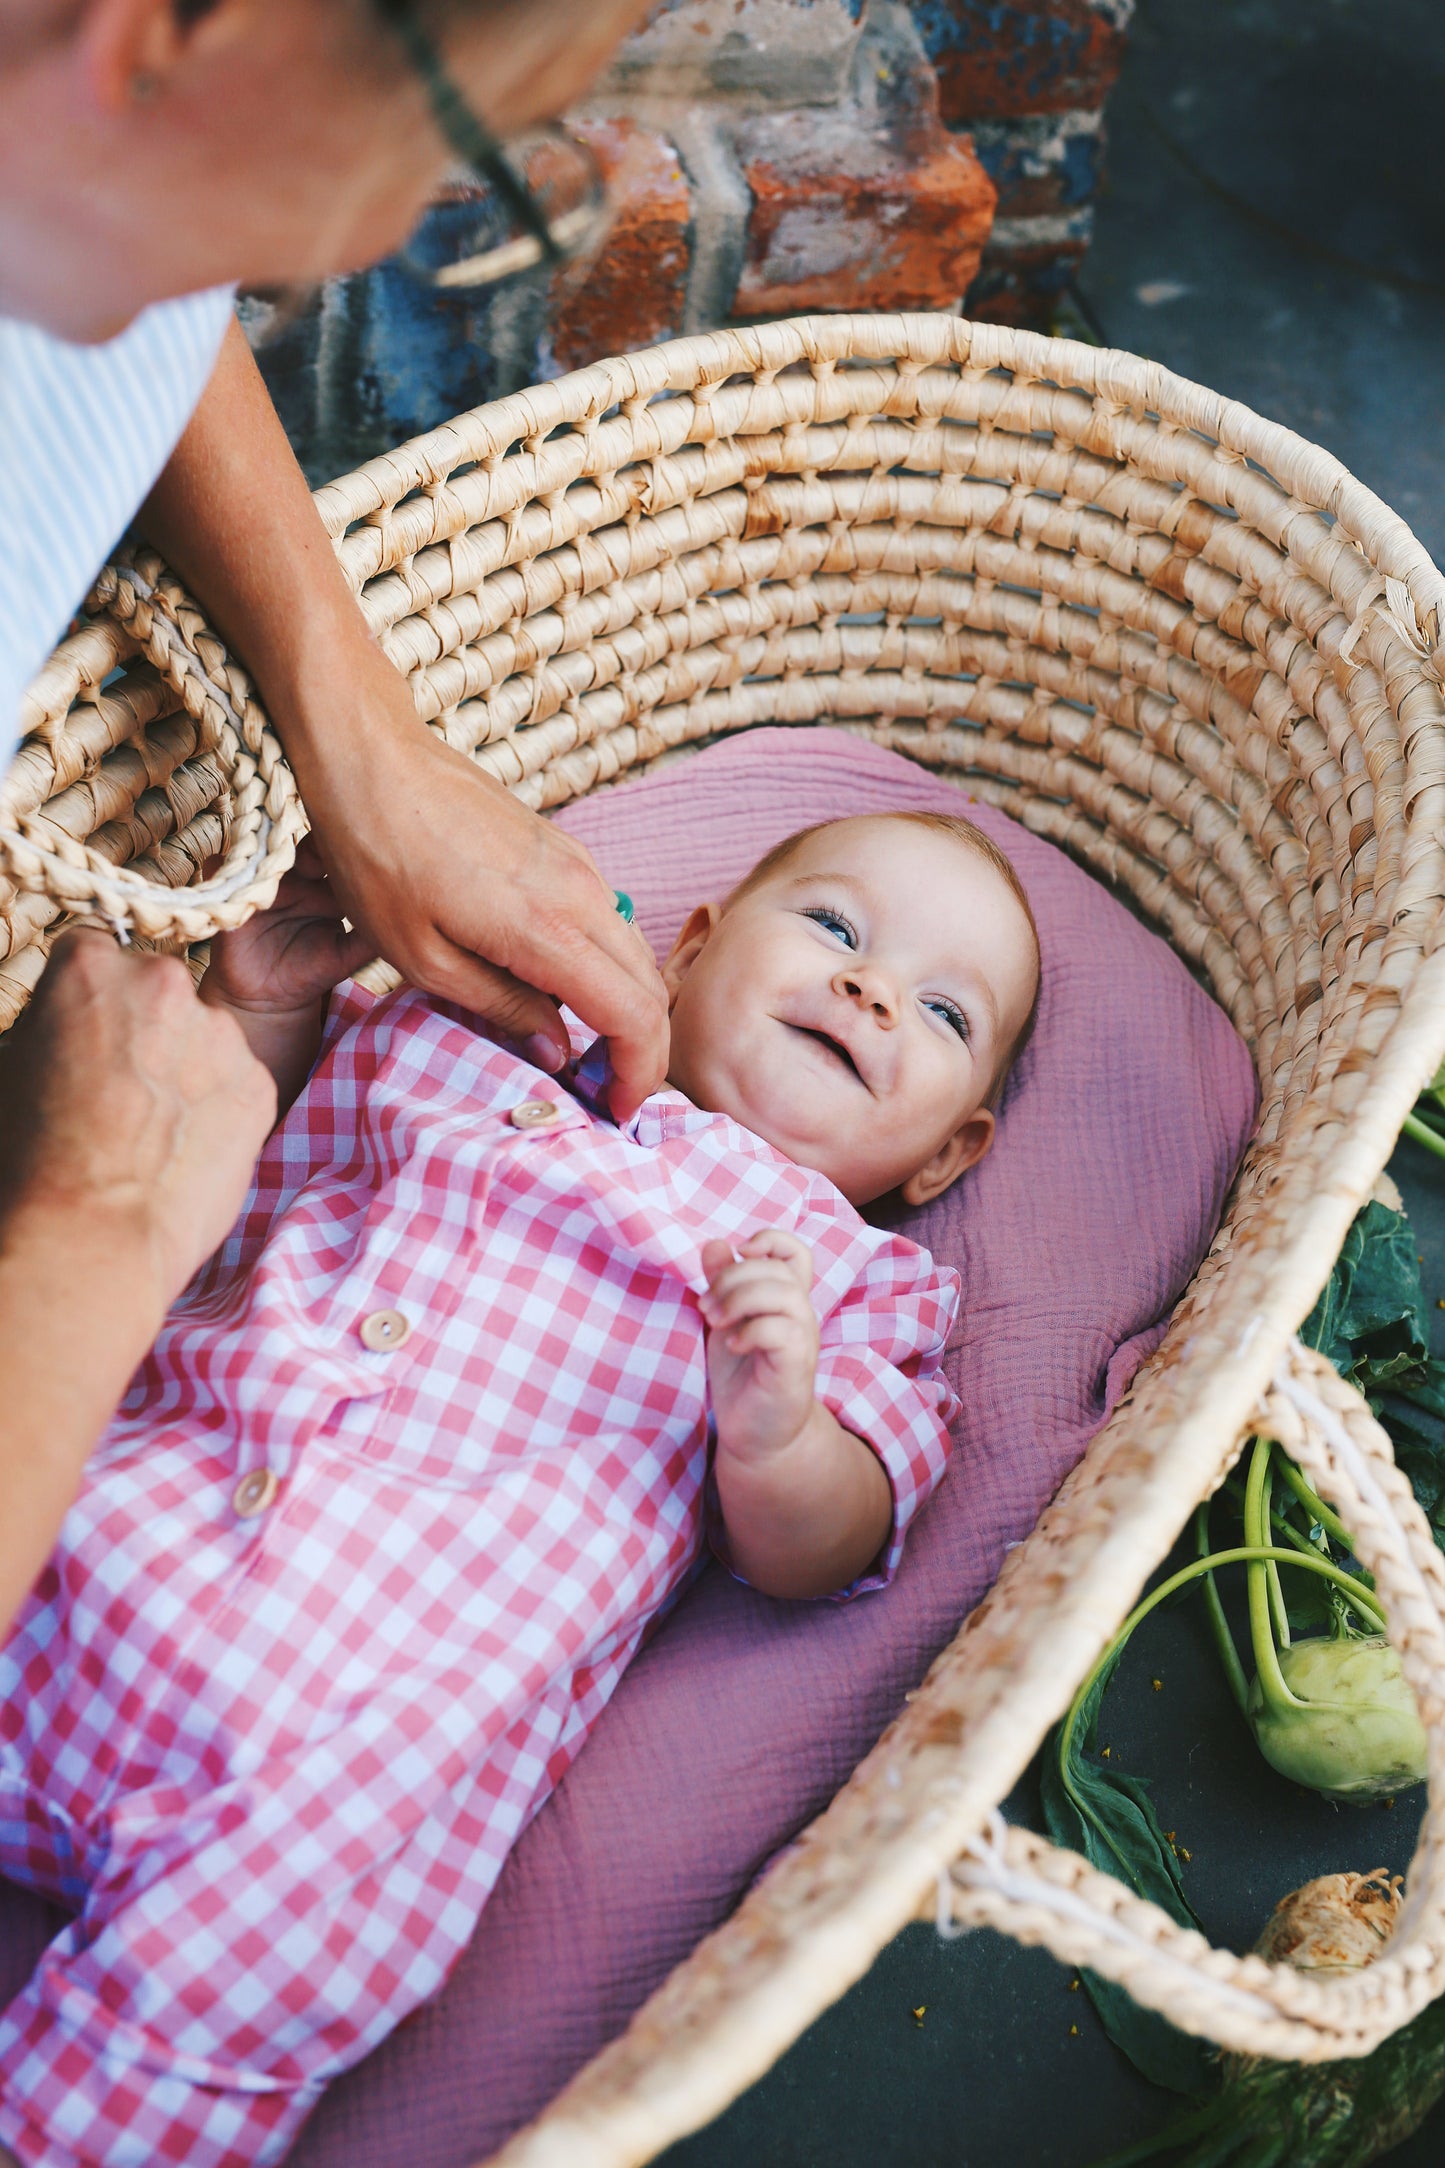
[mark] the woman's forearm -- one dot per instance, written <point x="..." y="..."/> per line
<point x="233" y="515"/>
<point x="462" y="888"/>
<point x="79" y="1310"/>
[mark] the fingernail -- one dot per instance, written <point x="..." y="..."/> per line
<point x="544" y="1053"/>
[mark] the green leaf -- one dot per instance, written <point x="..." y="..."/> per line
<point x="1321" y="2115"/>
<point x="1309" y="1603"/>
<point x="1373" y="1324"/>
<point x="1372" y="1313"/>
<point x="1106" y="1814"/>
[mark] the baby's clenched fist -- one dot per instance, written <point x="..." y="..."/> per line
<point x="762" y="1353"/>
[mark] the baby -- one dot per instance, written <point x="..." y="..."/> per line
<point x="434" y="1438"/>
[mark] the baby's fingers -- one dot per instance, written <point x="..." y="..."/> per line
<point x="764" y="1335"/>
<point x="785" y="1248"/>
<point x="773" y="1244"/>
<point x="750" y="1289"/>
<point x="716" y="1257"/>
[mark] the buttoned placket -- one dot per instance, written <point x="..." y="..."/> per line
<point x="389" y="1328"/>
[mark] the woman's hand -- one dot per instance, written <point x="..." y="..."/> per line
<point x="475" y="898"/>
<point x="284" y="959"/>
<point x="130" y="1115"/>
<point x="130" y="1121"/>
<point x="455" y="883"/>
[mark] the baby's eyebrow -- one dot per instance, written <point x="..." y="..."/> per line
<point x="836" y="880"/>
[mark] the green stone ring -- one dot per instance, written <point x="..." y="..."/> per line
<point x="624" y="905"/>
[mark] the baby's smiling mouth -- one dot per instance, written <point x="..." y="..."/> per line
<point x="832" y="1046"/>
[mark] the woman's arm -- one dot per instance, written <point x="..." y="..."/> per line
<point x="456" y="883"/>
<point x="130" y="1121"/>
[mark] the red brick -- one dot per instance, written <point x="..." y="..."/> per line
<point x="632" y="293"/>
<point x="848" y="216"/>
<point x="999" y="58"/>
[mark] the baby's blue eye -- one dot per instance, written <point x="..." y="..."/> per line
<point x="835" y="923"/>
<point x="953" y="1016"/>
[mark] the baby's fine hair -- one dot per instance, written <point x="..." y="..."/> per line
<point x="973" y="839"/>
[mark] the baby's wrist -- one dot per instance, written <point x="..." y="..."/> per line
<point x="757" y="1445"/>
<point x="285" y="1040"/>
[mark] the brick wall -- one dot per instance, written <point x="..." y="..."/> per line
<point x="764" y="157"/>
<point x="1027" y="80"/>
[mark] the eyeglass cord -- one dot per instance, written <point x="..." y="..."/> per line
<point x="465" y="134"/>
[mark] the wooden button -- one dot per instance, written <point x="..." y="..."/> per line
<point x="385" y="1330"/>
<point x="255" y="1492"/>
<point x="537" y="1114"/>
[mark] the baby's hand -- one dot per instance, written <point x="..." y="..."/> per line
<point x="762" y="1350"/>
<point x="283" y="960"/>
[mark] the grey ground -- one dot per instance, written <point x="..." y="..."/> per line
<point x="1272" y="227"/>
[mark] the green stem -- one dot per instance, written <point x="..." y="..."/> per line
<point x="1367" y="1610"/>
<point x="1271" y="1679"/>
<point x="1422" y="1134"/>
<point x="1313" y="1504"/>
<point x="1242" y="1554"/>
<point x="1277" y="1611"/>
<point x="1218" y="1623"/>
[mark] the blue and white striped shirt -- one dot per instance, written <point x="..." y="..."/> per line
<point x="84" y="431"/>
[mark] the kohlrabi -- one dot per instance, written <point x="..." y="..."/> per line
<point x="1333" y="1712"/>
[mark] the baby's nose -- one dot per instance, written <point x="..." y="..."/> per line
<point x="870" y="988"/>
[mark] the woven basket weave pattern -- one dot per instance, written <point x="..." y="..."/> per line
<point x="149" y="793"/>
<point x="1158" y="630"/>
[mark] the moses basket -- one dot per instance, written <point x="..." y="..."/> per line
<point x="1163" y="633"/>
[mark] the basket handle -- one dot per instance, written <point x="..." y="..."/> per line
<point x="1039" y="1893"/>
<point x="266" y="821"/>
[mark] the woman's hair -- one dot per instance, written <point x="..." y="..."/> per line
<point x="973" y="839"/>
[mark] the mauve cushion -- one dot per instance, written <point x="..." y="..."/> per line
<point x="1119" y="1134"/>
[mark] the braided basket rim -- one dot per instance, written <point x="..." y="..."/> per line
<point x="1292" y="633"/>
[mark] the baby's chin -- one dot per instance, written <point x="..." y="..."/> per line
<point x="717" y="1092"/>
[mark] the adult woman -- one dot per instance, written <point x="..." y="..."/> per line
<point x="152" y="148"/>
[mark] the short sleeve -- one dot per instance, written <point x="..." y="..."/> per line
<point x="880" y="1374"/>
<point x="85" y="430"/>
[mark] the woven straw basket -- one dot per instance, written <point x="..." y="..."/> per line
<point x="1166" y="634"/>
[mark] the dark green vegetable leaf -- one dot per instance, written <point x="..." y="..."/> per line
<point x="1371" y="1315"/>
<point x="1106" y="1814"/>
<point x="1324" y="2115"/>
<point x="1373" y="1324"/>
<point x="1309" y="1604"/>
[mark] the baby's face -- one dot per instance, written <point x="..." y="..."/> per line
<point x="854" y="1007"/>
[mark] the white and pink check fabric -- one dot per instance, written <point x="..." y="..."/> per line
<point x="329" y="1620"/>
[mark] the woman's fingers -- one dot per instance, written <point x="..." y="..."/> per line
<point x="514" y="1009"/>
<point x="126" y="1102"/>
<point x="594" y="962"/>
<point x="476" y="898"/>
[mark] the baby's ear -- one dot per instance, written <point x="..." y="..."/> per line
<point x="964" y="1149"/>
<point x="697" y="931"/>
